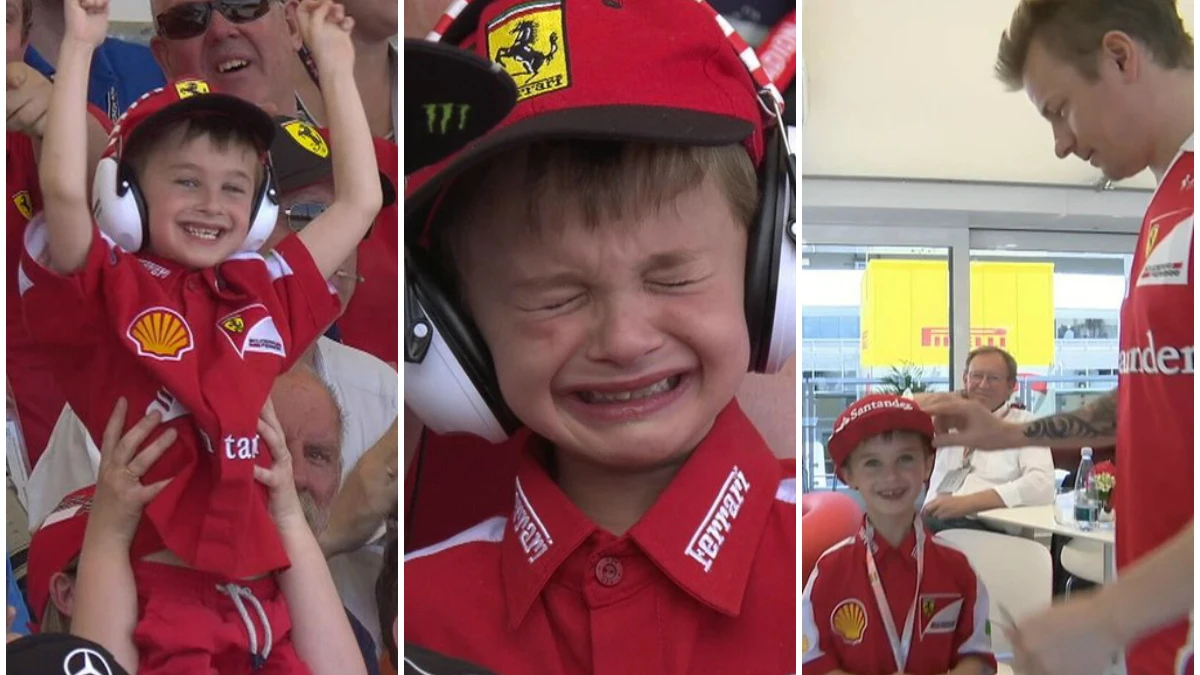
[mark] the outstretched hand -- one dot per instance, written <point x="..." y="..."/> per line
<point x="325" y="28"/>
<point x="960" y="421"/>
<point x="120" y="494"/>
<point x="87" y="21"/>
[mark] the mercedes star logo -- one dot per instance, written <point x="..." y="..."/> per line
<point x="86" y="662"/>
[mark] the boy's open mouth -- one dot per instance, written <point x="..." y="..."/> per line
<point x="896" y="493"/>
<point x="203" y="232"/>
<point x="662" y="386"/>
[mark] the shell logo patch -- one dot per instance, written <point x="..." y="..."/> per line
<point x="161" y="333"/>
<point x="24" y="203"/>
<point x="307" y="137"/>
<point x="190" y="88"/>
<point x="849" y="621"/>
<point x="252" y="330"/>
<point x="528" y="42"/>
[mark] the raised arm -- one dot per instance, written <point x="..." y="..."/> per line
<point x="320" y="630"/>
<point x="357" y="194"/>
<point x="961" y="421"/>
<point x="105" y="609"/>
<point x="63" y="169"/>
<point x="1093" y="425"/>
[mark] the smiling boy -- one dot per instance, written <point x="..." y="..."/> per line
<point x="892" y="599"/>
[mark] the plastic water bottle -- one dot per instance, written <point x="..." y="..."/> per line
<point x="1087" y="504"/>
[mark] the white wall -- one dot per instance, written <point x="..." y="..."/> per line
<point x="905" y="90"/>
<point x="130" y="10"/>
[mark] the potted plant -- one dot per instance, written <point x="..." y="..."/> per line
<point x="908" y="378"/>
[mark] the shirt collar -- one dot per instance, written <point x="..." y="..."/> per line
<point x="702" y="532"/>
<point x="906" y="549"/>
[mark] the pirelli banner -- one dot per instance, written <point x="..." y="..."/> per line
<point x="906" y="309"/>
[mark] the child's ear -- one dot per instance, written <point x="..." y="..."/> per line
<point x="930" y="459"/>
<point x="843" y="474"/>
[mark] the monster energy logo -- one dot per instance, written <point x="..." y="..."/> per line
<point x="440" y="116"/>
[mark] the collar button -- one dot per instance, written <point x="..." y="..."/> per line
<point x="609" y="571"/>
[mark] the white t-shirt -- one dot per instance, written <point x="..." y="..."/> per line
<point x="1021" y="476"/>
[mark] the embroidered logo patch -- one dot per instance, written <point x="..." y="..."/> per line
<point x="706" y="541"/>
<point x="1168" y="252"/>
<point x="190" y="88"/>
<point x="849" y="621"/>
<point x="251" y="329"/>
<point x="307" y="136"/>
<point x="161" y="333"/>
<point x="535" y="539"/>
<point x="23" y="203"/>
<point x="939" y="613"/>
<point x="527" y="41"/>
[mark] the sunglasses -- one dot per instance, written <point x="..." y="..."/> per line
<point x="299" y="215"/>
<point x="191" y="19"/>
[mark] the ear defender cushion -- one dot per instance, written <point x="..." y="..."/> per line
<point x="118" y="206"/>
<point x="762" y="253"/>
<point x="264" y="212"/>
<point x="460" y="335"/>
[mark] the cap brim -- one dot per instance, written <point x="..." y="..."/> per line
<point x="438" y="80"/>
<point x="597" y="123"/>
<point x="241" y="113"/>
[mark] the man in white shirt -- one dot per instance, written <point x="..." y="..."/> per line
<point x="965" y="482"/>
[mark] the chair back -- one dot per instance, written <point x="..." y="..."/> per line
<point x="1017" y="573"/>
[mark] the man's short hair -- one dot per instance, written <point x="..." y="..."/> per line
<point x="1009" y="362"/>
<point x="1073" y="29"/>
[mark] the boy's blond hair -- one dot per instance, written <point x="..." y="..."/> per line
<point x="1073" y="29"/>
<point x="596" y="180"/>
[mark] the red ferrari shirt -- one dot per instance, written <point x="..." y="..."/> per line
<point x="202" y="347"/>
<point x="372" y="318"/>
<point x="39" y="400"/>
<point x="705" y="582"/>
<point x="842" y="629"/>
<point x="1154" y="395"/>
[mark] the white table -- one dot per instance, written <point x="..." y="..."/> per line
<point x="1042" y="518"/>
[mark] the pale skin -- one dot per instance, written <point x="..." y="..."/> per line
<point x="889" y="464"/>
<point x="106" y="600"/>
<point x="330" y="238"/>
<point x="1134" y="115"/>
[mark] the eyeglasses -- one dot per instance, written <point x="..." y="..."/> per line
<point x="300" y="214"/>
<point x="979" y="378"/>
<point x="191" y="18"/>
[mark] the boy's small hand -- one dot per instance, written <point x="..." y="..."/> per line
<point x="325" y="29"/>
<point x="280" y="482"/>
<point x="87" y="21"/>
<point x="120" y="495"/>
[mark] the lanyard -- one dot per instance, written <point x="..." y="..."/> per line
<point x="778" y="52"/>
<point x="900" y="645"/>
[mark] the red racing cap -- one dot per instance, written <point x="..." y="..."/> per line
<point x="871" y="416"/>
<point x="189" y="97"/>
<point x="57" y="542"/>
<point x="665" y="71"/>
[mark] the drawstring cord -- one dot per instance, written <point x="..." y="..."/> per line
<point x="237" y="593"/>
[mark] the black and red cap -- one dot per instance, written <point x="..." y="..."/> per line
<point x="185" y="98"/>
<point x="871" y="416"/>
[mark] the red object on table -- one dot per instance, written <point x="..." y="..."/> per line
<point x="827" y="518"/>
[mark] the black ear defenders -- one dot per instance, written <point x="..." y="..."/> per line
<point x="449" y="379"/>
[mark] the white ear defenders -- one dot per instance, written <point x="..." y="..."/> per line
<point x="121" y="213"/>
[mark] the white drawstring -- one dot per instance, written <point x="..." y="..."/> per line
<point x="236" y="593"/>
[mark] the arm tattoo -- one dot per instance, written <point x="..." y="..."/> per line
<point x="1098" y="419"/>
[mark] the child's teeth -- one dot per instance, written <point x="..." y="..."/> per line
<point x="659" y="387"/>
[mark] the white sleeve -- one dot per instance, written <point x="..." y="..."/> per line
<point x="810" y="635"/>
<point x="1035" y="485"/>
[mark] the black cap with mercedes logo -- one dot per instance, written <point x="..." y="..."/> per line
<point x="452" y="97"/>
<point x="45" y="653"/>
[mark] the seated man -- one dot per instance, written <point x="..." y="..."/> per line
<point x="965" y="482"/>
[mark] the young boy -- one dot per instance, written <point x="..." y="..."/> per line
<point x="892" y="599"/>
<point x="598" y="239"/>
<point x="188" y="321"/>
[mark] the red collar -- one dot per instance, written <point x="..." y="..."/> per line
<point x="906" y="549"/>
<point x="702" y="533"/>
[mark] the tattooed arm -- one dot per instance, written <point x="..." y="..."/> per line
<point x="1093" y="425"/>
